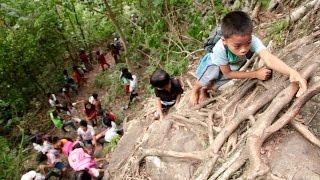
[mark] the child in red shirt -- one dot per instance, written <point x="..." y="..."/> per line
<point x="79" y="76"/>
<point x="102" y="60"/>
<point x="90" y="112"/>
<point x="85" y="60"/>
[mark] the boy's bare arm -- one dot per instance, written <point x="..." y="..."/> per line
<point x="159" y="107"/>
<point x="261" y="74"/>
<point x="276" y="64"/>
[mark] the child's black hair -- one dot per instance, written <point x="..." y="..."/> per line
<point x="106" y="121"/>
<point x="85" y="106"/>
<point x="97" y="52"/>
<point x="159" y="78"/>
<point x="55" y="113"/>
<point x="95" y="95"/>
<point x="53" y="139"/>
<point x="124" y="70"/>
<point x="83" y="123"/>
<point x="41" y="157"/>
<point x="49" y="94"/>
<point x="76" y="146"/>
<point x="82" y="175"/>
<point x="65" y="72"/>
<point x="128" y="75"/>
<point x="236" y="23"/>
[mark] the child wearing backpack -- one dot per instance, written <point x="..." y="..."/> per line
<point x="229" y="54"/>
<point x="124" y="80"/>
<point x="168" y="91"/>
<point x="133" y="87"/>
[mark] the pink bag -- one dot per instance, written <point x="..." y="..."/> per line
<point x="80" y="160"/>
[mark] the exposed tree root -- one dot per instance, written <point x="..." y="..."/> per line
<point x="226" y="166"/>
<point x="234" y="167"/>
<point x="210" y="125"/>
<point x="257" y="167"/>
<point x="304" y="131"/>
<point x="190" y="121"/>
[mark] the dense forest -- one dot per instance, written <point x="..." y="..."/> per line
<point x="39" y="39"/>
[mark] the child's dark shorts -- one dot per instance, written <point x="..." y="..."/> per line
<point x="59" y="165"/>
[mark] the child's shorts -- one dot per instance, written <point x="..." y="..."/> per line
<point x="59" y="165"/>
<point x="211" y="75"/>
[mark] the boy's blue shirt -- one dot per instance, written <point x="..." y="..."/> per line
<point x="219" y="56"/>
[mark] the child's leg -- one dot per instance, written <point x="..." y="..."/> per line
<point x="194" y="99"/>
<point x="204" y="93"/>
<point x="69" y="123"/>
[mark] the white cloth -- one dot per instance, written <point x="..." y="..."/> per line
<point x="53" y="156"/>
<point x="91" y="99"/>
<point x="73" y="113"/>
<point x="42" y="148"/>
<point x="52" y="101"/>
<point x="86" y="135"/>
<point x="133" y="84"/>
<point x="111" y="133"/>
<point x="32" y="175"/>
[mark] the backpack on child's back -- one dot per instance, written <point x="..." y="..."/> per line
<point x="213" y="38"/>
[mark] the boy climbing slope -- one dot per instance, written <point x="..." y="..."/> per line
<point x="229" y="54"/>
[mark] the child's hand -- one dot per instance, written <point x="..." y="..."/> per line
<point x="263" y="73"/>
<point x="295" y="77"/>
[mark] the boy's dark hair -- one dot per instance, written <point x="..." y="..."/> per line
<point x="97" y="52"/>
<point x="95" y="95"/>
<point x="76" y="146"/>
<point x="236" y="23"/>
<point x="128" y="75"/>
<point x="106" y="121"/>
<point x="83" y="123"/>
<point x="65" y="72"/>
<point x="124" y="70"/>
<point x="159" y="78"/>
<point x="49" y="94"/>
<point x="82" y="175"/>
<point x="55" y="113"/>
<point x="53" y="139"/>
<point x="41" y="157"/>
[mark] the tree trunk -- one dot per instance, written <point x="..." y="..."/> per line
<point x="111" y="15"/>
<point x="81" y="29"/>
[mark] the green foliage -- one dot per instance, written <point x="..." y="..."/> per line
<point x="119" y="117"/>
<point x="11" y="159"/>
<point x="112" y="144"/>
<point x="276" y="32"/>
<point x="113" y="84"/>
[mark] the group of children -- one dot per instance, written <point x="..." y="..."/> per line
<point x="221" y="64"/>
<point x="77" y="156"/>
<point x="78" y="152"/>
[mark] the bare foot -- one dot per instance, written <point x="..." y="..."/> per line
<point x="194" y="99"/>
<point x="203" y="95"/>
